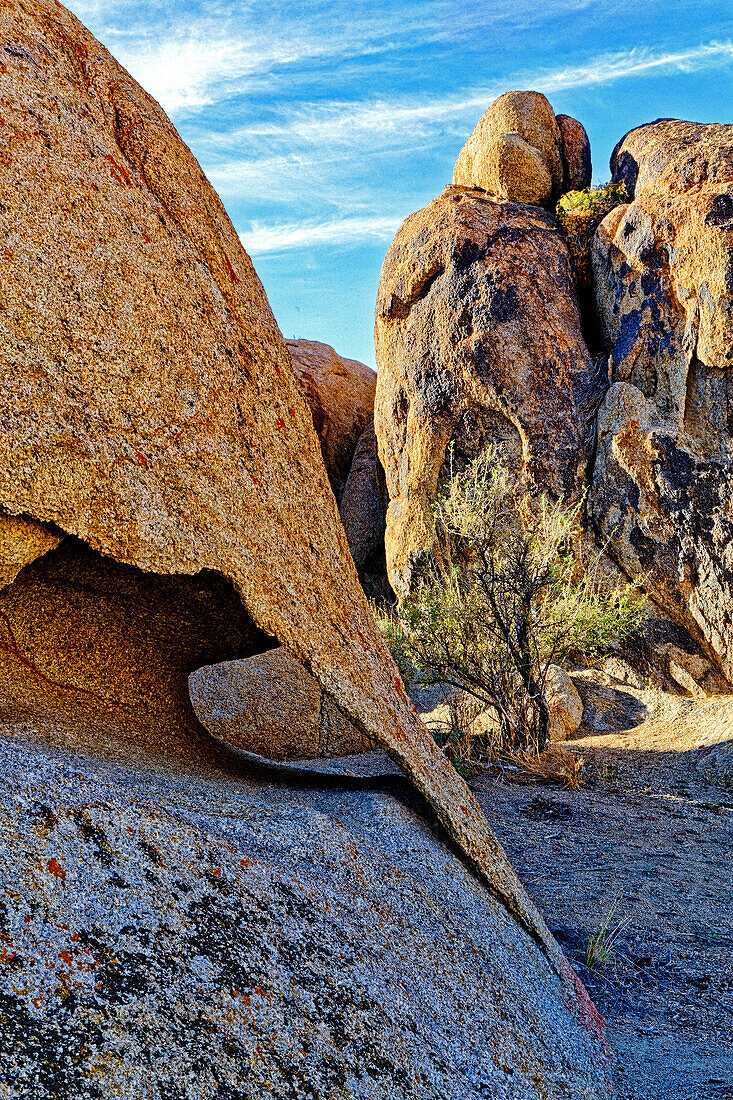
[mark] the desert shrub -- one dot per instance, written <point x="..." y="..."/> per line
<point x="579" y="214"/>
<point x="504" y="599"/>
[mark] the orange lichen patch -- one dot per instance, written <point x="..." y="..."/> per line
<point x="56" y="869"/>
<point x="119" y="172"/>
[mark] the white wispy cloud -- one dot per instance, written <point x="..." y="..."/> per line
<point x="389" y="122"/>
<point x="330" y="153"/>
<point x="194" y="55"/>
<point x="262" y="239"/>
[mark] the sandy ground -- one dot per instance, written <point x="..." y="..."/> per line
<point x="650" y="842"/>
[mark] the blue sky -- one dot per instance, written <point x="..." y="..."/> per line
<point x="323" y="124"/>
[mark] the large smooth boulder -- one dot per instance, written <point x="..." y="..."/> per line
<point x="149" y="404"/>
<point x="521" y="152"/>
<point x="340" y="394"/>
<point x="165" y="935"/>
<point x="478" y="343"/>
<point x="270" y="705"/>
<point x="662" y="497"/>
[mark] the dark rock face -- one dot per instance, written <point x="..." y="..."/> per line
<point x="478" y="342"/>
<point x="168" y="936"/>
<point x="576" y="157"/>
<point x="363" y="509"/>
<point x="663" y="268"/>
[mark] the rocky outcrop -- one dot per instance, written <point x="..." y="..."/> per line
<point x="662" y="495"/>
<point x="166" y="936"/>
<point x="149" y="405"/>
<point x="270" y="705"/>
<point x="340" y="395"/>
<point x="521" y="152"/>
<point x="478" y="342"/>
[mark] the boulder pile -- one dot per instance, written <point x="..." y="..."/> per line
<point x="521" y="151"/>
<point x="481" y="341"/>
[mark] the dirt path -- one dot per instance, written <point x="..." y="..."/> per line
<point x="648" y="836"/>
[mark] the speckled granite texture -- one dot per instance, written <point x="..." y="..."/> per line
<point x="174" y="936"/>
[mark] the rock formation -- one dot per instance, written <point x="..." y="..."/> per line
<point x="478" y="342"/>
<point x="575" y="151"/>
<point x="149" y="406"/>
<point x="662" y="495"/>
<point x="105" y="651"/>
<point x="340" y="395"/>
<point x="363" y="510"/>
<point x="564" y="703"/>
<point x="270" y="705"/>
<point x="520" y="151"/>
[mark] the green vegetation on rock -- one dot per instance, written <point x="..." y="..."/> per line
<point x="579" y="214"/>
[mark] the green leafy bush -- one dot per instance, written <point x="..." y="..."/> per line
<point x="505" y="598"/>
<point x="579" y="214"/>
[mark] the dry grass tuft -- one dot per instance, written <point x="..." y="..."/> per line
<point x="555" y="766"/>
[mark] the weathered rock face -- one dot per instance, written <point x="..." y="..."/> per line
<point x="519" y="151"/>
<point x="340" y="394"/>
<point x="270" y="705"/>
<point x="478" y="342"/>
<point x="164" y="935"/>
<point x="148" y="403"/>
<point x="664" y="282"/>
<point x="21" y="542"/>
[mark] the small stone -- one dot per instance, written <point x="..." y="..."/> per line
<point x="564" y="703"/>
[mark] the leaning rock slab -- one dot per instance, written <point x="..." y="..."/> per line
<point x="164" y="935"/>
<point x="662" y="495"/>
<point x="478" y="342"/>
<point x="149" y="406"/>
